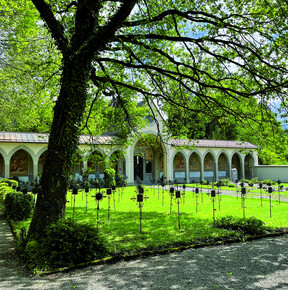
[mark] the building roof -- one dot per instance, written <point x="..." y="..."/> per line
<point x="19" y="137"/>
<point x="213" y="143"/>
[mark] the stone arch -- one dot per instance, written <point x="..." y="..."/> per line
<point x="78" y="166"/>
<point x="248" y="166"/>
<point x="2" y="166"/>
<point x="195" y="166"/>
<point x="21" y="163"/>
<point x="117" y="161"/>
<point x="25" y="148"/>
<point x="209" y="163"/>
<point x="41" y="161"/>
<point x="149" y="158"/>
<point x="223" y="165"/>
<point x="96" y="164"/>
<point x="236" y="166"/>
<point x="179" y="167"/>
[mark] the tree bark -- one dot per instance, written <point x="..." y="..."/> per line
<point x="63" y="142"/>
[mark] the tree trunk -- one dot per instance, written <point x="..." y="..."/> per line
<point x="63" y="142"/>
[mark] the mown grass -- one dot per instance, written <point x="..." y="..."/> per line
<point x="159" y="228"/>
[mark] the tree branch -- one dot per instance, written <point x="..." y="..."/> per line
<point x="55" y="27"/>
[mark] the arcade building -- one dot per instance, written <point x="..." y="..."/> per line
<point x="147" y="157"/>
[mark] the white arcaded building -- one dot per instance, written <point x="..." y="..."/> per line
<point x="23" y="155"/>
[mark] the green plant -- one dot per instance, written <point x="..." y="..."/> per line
<point x="65" y="243"/>
<point x="231" y="185"/>
<point x="268" y="182"/>
<point x="109" y="177"/>
<point x="120" y="180"/>
<point x="249" y="225"/>
<point x="6" y="187"/>
<point x="225" y="181"/>
<point x="18" y="206"/>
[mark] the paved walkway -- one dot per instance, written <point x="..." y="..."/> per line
<point x="261" y="264"/>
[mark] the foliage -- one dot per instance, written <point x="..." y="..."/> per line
<point x="209" y="58"/>
<point x="250" y="226"/>
<point x="231" y="185"/>
<point x="18" y="206"/>
<point x="268" y="182"/>
<point x="65" y="243"/>
<point x="120" y="180"/>
<point x="6" y="187"/>
<point x="109" y="177"/>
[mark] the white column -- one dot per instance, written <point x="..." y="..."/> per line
<point x="202" y="168"/>
<point x="130" y="165"/>
<point x="216" y="170"/>
<point x="6" y="168"/>
<point x="187" y="170"/>
<point x="35" y="170"/>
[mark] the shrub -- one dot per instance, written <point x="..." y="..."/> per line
<point x="109" y="177"/>
<point x="249" y="225"/>
<point x="268" y="182"/>
<point x="18" y="206"/>
<point x="120" y="180"/>
<point x="225" y="181"/>
<point x="6" y="187"/>
<point x="65" y="243"/>
<point x="231" y="185"/>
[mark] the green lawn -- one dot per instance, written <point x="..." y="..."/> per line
<point x="159" y="228"/>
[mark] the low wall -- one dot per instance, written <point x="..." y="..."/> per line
<point x="271" y="171"/>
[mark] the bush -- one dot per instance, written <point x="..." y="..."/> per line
<point x="225" y="181"/>
<point x="249" y="225"/>
<point x="109" y="177"/>
<point x="231" y="185"/>
<point x="268" y="182"/>
<point x="6" y="187"/>
<point x="65" y="243"/>
<point x="120" y="180"/>
<point x="18" y="206"/>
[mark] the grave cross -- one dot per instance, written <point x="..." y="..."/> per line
<point x="99" y="196"/>
<point x="270" y="190"/>
<point x="140" y="198"/>
<point x="178" y="196"/>
<point x="213" y="195"/>
<point x="279" y="182"/>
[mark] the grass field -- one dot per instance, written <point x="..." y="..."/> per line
<point x="161" y="223"/>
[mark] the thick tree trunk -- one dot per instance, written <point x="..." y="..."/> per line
<point x="63" y="141"/>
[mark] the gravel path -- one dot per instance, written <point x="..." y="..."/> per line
<point x="260" y="264"/>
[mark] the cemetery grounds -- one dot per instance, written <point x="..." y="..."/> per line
<point x="163" y="221"/>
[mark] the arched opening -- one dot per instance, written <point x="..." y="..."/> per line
<point x="248" y="166"/>
<point x="209" y="173"/>
<point x="223" y="166"/>
<point x="77" y="169"/>
<point x="41" y="162"/>
<point x="117" y="162"/>
<point x="2" y="172"/>
<point x="96" y="165"/>
<point x="194" y="167"/>
<point x="179" y="167"/>
<point x="149" y="159"/>
<point x="21" y="166"/>
<point x="236" y="168"/>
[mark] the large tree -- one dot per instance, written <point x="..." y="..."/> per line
<point x="219" y="52"/>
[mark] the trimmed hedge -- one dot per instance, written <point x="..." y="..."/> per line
<point x="18" y="206"/>
<point x="65" y="243"/>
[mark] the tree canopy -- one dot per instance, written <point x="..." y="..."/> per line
<point x="212" y="58"/>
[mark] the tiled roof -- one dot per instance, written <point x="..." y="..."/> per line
<point x="17" y="137"/>
<point x="213" y="143"/>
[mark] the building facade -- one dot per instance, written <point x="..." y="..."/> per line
<point x="147" y="157"/>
